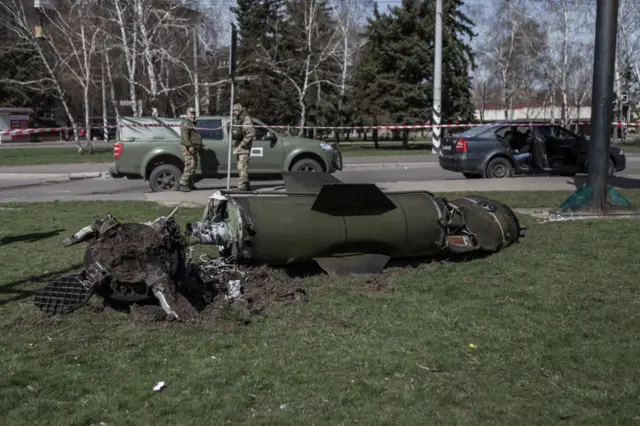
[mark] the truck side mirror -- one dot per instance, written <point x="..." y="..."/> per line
<point x="271" y="137"/>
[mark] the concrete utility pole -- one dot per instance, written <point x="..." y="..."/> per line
<point x="233" y="45"/>
<point x="601" y="105"/>
<point x="437" y="83"/>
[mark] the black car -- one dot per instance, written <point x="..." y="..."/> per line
<point x="501" y="150"/>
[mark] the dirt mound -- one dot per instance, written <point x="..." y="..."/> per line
<point x="264" y="291"/>
<point x="131" y="253"/>
<point x="209" y="295"/>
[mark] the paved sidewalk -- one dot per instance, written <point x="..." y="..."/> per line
<point x="196" y="198"/>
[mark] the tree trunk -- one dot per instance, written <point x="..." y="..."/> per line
<point x="87" y="122"/>
<point x="405" y="139"/>
<point x="105" y="121"/>
<point x="112" y="91"/>
<point x="375" y="134"/>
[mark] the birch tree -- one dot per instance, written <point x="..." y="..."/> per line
<point x="511" y="51"/>
<point x="311" y="40"/>
<point x="348" y="15"/>
<point x="21" y="28"/>
<point x="73" y="39"/>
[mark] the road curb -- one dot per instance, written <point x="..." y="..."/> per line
<point x="376" y="166"/>
<point x="53" y="176"/>
<point x="86" y="175"/>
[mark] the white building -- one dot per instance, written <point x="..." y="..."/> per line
<point x="532" y="112"/>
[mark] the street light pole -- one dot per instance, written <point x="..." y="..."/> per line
<point x="601" y="106"/>
<point x="437" y="82"/>
<point x="232" y="77"/>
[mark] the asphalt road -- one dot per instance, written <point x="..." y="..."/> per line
<point x="16" y="188"/>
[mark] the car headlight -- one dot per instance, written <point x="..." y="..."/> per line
<point x="325" y="146"/>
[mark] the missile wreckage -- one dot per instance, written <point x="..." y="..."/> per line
<point x="344" y="228"/>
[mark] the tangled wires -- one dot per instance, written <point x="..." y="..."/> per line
<point x="219" y="270"/>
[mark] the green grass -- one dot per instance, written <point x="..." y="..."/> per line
<point x="535" y="199"/>
<point x="45" y="156"/>
<point x="630" y="147"/>
<point x="554" y="320"/>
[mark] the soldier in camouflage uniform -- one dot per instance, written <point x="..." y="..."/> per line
<point x="190" y="145"/>
<point x="242" y="145"/>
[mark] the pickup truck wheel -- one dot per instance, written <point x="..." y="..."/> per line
<point x="165" y="177"/>
<point x="306" y="165"/>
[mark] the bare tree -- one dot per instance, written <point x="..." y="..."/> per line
<point x="511" y="50"/>
<point x="74" y="40"/>
<point x="17" y="21"/>
<point x="316" y="49"/>
<point x="349" y="19"/>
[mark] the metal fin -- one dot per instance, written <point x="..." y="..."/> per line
<point x="307" y="181"/>
<point x="352" y="199"/>
<point x="337" y="266"/>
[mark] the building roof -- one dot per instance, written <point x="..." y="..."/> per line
<point x="16" y="110"/>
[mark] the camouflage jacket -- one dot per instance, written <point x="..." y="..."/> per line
<point x="248" y="135"/>
<point x="189" y="135"/>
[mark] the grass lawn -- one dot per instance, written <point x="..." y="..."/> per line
<point x="42" y="156"/>
<point x="554" y="320"/>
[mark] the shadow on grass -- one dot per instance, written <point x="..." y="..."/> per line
<point x="29" y="238"/>
<point x="311" y="269"/>
<point x="19" y="294"/>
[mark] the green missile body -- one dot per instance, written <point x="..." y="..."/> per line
<point x="350" y="228"/>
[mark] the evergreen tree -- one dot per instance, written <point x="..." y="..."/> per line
<point x="393" y="82"/>
<point x="458" y="60"/>
<point x="260" y="29"/>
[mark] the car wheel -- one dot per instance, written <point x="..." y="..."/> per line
<point x="472" y="175"/>
<point x="499" y="168"/>
<point x="612" y="167"/>
<point x="165" y="177"/>
<point x="306" y="165"/>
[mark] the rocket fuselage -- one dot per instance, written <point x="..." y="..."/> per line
<point x="350" y="228"/>
<point x="357" y="224"/>
<point x="287" y="229"/>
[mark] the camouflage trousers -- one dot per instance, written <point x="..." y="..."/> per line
<point x="190" y="163"/>
<point x="243" y="171"/>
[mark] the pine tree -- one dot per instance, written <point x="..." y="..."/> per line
<point x="458" y="60"/>
<point x="393" y="82"/>
<point x="260" y="27"/>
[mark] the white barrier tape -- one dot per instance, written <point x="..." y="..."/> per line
<point x="392" y="127"/>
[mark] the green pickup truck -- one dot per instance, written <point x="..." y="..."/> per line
<point x="149" y="148"/>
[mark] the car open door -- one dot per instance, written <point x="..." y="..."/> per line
<point x="563" y="149"/>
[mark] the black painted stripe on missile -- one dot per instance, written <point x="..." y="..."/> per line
<point x="352" y="199"/>
<point x="306" y="181"/>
